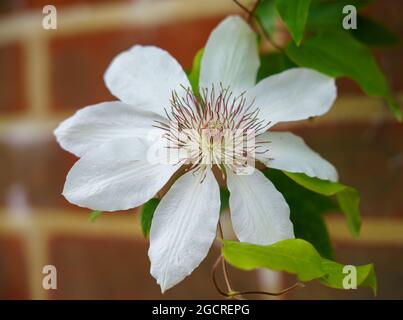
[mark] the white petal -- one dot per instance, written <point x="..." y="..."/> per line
<point x="259" y="213"/>
<point x="289" y="152"/>
<point x="294" y="94"/>
<point x="100" y="123"/>
<point x="116" y="176"/>
<point x="145" y="77"/>
<point x="230" y="57"/>
<point x="183" y="228"/>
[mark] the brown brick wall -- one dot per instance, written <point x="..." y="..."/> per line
<point x="12" y="89"/>
<point x="13" y="269"/>
<point x="118" y="268"/>
<point x="112" y="263"/>
<point x="16" y="6"/>
<point x="367" y="156"/>
<point x="79" y="62"/>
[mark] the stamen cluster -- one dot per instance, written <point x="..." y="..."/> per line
<point x="214" y="128"/>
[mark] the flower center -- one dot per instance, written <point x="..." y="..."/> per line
<point x="215" y="128"/>
<point x="215" y="125"/>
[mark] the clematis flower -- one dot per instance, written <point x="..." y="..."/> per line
<point x="111" y="139"/>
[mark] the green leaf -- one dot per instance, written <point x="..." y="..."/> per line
<point x="146" y="215"/>
<point x="394" y="107"/>
<point x="273" y="63"/>
<point x="306" y="211"/>
<point x="347" y="197"/>
<point x="266" y="13"/>
<point x="373" y="33"/>
<point x="365" y="275"/>
<point x="294" y="256"/>
<point x="310" y="226"/>
<point x="338" y="54"/>
<point x="94" y="215"/>
<point x="294" y="15"/>
<point x="195" y="72"/>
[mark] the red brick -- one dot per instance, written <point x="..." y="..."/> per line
<point x="13" y="269"/>
<point x="348" y="86"/>
<point x="388" y="13"/>
<point x="36" y="171"/>
<point x="7" y="6"/>
<point x="5" y="176"/>
<point x="368" y="156"/>
<point x="392" y="64"/>
<point x="12" y="93"/>
<point x="35" y="175"/>
<point x="79" y="62"/>
<point x="118" y="268"/>
<point x="16" y="6"/>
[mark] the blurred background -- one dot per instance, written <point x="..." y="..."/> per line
<point x="46" y="75"/>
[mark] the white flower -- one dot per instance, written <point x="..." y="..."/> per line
<point x="113" y="172"/>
